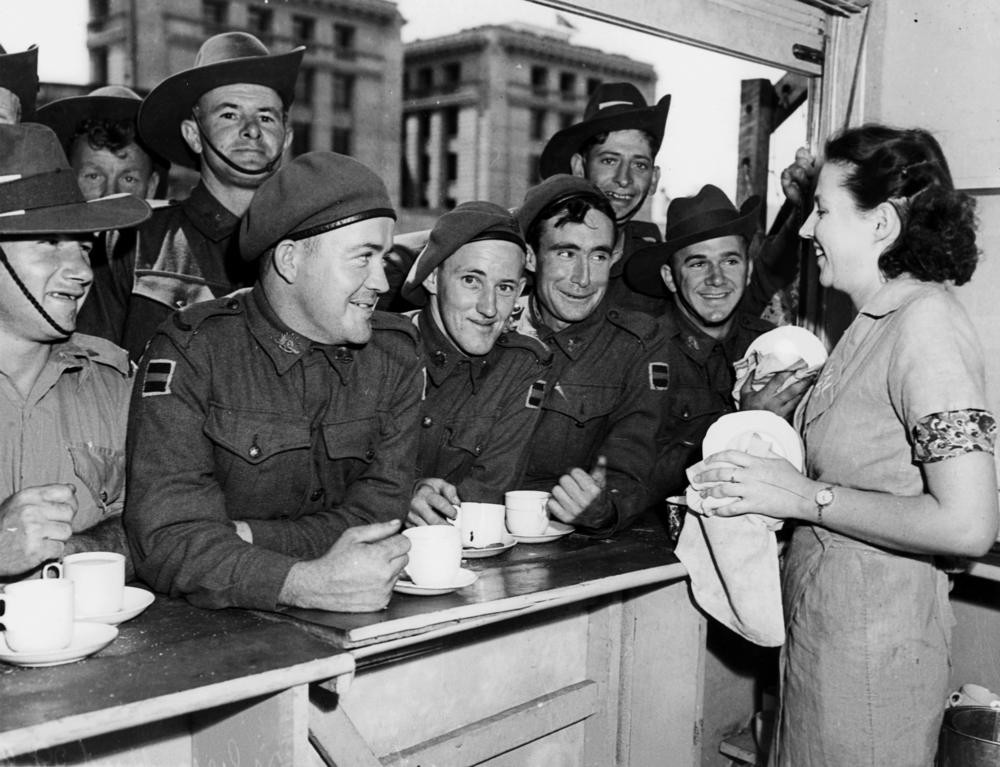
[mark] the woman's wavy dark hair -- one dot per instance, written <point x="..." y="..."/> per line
<point x="907" y="169"/>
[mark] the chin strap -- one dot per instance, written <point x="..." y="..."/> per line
<point x="34" y="302"/>
<point x="622" y="220"/>
<point x="269" y="168"/>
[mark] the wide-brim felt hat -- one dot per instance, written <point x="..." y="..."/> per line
<point x="475" y="221"/>
<point x="19" y="75"/>
<point x="225" y="59"/>
<point x="612" y="107"/>
<point x="39" y="193"/>
<point x="705" y="216"/>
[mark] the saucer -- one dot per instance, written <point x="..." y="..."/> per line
<point x="790" y="343"/>
<point x="465" y="578"/>
<point x="556" y="530"/>
<point x="134" y="602"/>
<point x="507" y="542"/>
<point x="88" y="638"/>
<point x="734" y="431"/>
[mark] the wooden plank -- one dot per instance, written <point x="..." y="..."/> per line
<point x="604" y="649"/>
<point x="336" y="739"/>
<point x="504" y="731"/>
<point x="757" y="106"/>
<point x="262" y="731"/>
<point x="790" y="93"/>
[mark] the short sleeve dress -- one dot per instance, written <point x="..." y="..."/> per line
<point x="864" y="669"/>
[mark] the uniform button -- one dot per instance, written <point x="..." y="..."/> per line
<point x="479" y="449"/>
<point x="613" y="314"/>
<point x="254" y="451"/>
<point x="370" y="453"/>
<point x="316" y="495"/>
<point x="440" y="358"/>
<point x="427" y="422"/>
<point x="104" y="497"/>
<point x="180" y="303"/>
<point x="232" y="303"/>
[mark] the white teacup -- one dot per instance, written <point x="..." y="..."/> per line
<point x="99" y="577"/>
<point x="482" y="524"/>
<point x="37" y="615"/>
<point x="526" y="512"/>
<point x="435" y="555"/>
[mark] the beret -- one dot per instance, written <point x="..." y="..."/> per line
<point x="314" y="193"/>
<point x="469" y="222"/>
<point x="557" y="188"/>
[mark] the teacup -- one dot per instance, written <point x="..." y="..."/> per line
<point x="526" y="512"/>
<point x="99" y="577"/>
<point x="37" y="615"/>
<point x="482" y="524"/>
<point x="435" y="555"/>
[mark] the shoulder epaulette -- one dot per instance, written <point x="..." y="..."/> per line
<point x="645" y="231"/>
<point x="641" y="325"/>
<point x="396" y="322"/>
<point x="755" y="323"/>
<point x="192" y="316"/>
<point x="515" y="340"/>
<point x="101" y="351"/>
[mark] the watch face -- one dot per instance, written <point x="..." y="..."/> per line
<point x="824" y="497"/>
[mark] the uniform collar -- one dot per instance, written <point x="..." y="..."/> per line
<point x="285" y="346"/>
<point x="209" y="216"/>
<point x="892" y="295"/>
<point x="696" y="343"/>
<point x="443" y="358"/>
<point x="572" y="340"/>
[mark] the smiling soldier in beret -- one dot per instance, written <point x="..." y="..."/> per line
<point x="273" y="432"/>
<point x="477" y="416"/>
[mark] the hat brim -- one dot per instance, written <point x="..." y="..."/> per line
<point x="19" y="75"/>
<point x="64" y="115"/>
<point x="115" y="212"/>
<point x="642" y="272"/>
<point x="567" y="142"/>
<point x="173" y="100"/>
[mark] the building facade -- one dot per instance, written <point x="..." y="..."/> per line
<point x="348" y="92"/>
<point x="479" y="106"/>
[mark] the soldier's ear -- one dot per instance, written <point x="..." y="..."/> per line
<point x="530" y="262"/>
<point x="668" y="278"/>
<point x="577" y="165"/>
<point x="430" y="282"/>
<point x="189" y="131"/>
<point x="286" y="260"/>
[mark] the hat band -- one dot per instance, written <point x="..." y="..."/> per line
<point x="321" y="228"/>
<point x="499" y="234"/>
<point x="701" y="222"/>
<point x="44" y="190"/>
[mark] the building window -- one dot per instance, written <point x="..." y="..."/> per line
<point x="425" y="80"/>
<point x="451" y="167"/>
<point x="451" y="122"/>
<point x="342" y="140"/>
<point x="214" y="15"/>
<point x="538" y="124"/>
<point x="99" y="65"/>
<point x="452" y="75"/>
<point x="567" y="86"/>
<point x="540" y="81"/>
<point x="343" y="41"/>
<point x="259" y="21"/>
<point x="343" y="91"/>
<point x="304" y="86"/>
<point x="592" y="83"/>
<point x="303" y="28"/>
<point x="301" y="142"/>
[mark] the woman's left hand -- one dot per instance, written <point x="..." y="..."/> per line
<point x="761" y="485"/>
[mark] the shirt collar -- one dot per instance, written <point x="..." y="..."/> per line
<point x="571" y="340"/>
<point x="443" y="357"/>
<point x="892" y="295"/>
<point x="209" y="216"/>
<point x="696" y="343"/>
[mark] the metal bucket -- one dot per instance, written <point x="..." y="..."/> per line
<point x="970" y="737"/>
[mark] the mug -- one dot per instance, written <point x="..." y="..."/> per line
<point x="526" y="512"/>
<point x="99" y="577"/>
<point x="435" y="555"/>
<point x="482" y="524"/>
<point x="37" y="615"/>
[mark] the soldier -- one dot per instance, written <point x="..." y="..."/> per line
<point x="18" y="85"/>
<point x="477" y="417"/>
<point x="63" y="395"/>
<point x="595" y="442"/>
<point x="699" y="274"/>
<point x="228" y="117"/>
<point x="273" y="432"/>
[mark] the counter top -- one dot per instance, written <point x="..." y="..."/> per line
<point x="527" y="578"/>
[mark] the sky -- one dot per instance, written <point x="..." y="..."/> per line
<point x="700" y="144"/>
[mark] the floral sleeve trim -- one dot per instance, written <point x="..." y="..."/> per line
<point x="944" y="435"/>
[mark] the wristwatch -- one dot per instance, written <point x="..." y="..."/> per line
<point x="823" y="498"/>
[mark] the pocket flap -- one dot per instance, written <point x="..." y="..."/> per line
<point x="255" y="436"/>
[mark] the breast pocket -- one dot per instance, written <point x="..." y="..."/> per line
<point x="573" y="424"/>
<point x="470" y="436"/>
<point x="356" y="440"/>
<point x="101" y="470"/>
<point x="690" y="412"/>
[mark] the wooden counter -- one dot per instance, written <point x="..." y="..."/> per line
<point x="575" y="652"/>
<point x="178" y="686"/>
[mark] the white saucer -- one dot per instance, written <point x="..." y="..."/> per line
<point x="556" y="530"/>
<point x="88" y="638"/>
<point x="135" y="601"/>
<point x="465" y="578"/>
<point x="507" y="542"/>
<point x="790" y="343"/>
<point x="733" y="430"/>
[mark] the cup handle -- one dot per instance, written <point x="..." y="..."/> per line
<point x="52" y="570"/>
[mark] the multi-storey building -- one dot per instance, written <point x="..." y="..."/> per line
<point x="479" y="106"/>
<point x="347" y="96"/>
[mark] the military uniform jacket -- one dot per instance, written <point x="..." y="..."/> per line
<point x="187" y="252"/>
<point x="236" y="417"/>
<point x="477" y="412"/>
<point x="637" y="234"/>
<point x="700" y="384"/>
<point x="70" y="428"/>
<point x="603" y="396"/>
